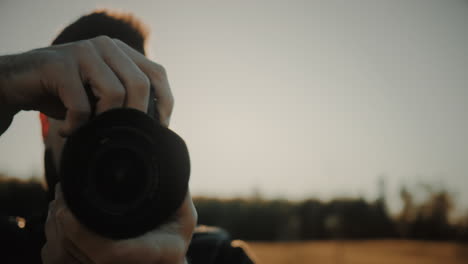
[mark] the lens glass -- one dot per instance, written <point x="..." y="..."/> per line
<point x="120" y="176"/>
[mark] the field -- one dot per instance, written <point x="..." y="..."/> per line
<point x="360" y="252"/>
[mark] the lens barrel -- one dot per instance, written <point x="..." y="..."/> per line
<point x="124" y="174"/>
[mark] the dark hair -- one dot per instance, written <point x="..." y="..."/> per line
<point x="123" y="26"/>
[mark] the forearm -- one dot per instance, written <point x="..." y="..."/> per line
<point x="7" y="110"/>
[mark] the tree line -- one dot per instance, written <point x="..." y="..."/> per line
<point x="279" y="220"/>
<point x="313" y="219"/>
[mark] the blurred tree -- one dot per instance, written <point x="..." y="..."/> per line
<point x="260" y="219"/>
<point x="432" y="217"/>
<point x="312" y="220"/>
<point x="406" y="216"/>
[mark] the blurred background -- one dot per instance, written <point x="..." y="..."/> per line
<point x="341" y="124"/>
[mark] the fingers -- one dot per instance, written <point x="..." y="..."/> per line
<point x="49" y="252"/>
<point x="158" y="77"/>
<point x="50" y="225"/>
<point x="76" y="241"/>
<point x="63" y="79"/>
<point x="136" y="83"/>
<point x="167" y="243"/>
<point x="135" y="72"/>
<point x="70" y="242"/>
<point x="57" y="248"/>
<point x="104" y="83"/>
<point x="118" y="76"/>
<point x="55" y="208"/>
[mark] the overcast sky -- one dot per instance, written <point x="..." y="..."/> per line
<point x="293" y="98"/>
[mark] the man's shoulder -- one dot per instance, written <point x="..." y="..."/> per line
<point x="213" y="245"/>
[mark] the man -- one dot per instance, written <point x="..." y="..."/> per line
<point x="51" y="80"/>
<point x="106" y="52"/>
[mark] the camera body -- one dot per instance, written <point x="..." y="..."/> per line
<point x="124" y="174"/>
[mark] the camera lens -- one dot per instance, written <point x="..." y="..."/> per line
<point x="119" y="176"/>
<point x="124" y="174"/>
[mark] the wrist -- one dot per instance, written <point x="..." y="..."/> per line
<point x="18" y="80"/>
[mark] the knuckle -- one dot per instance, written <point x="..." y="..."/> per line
<point x="103" y="41"/>
<point x="140" y="82"/>
<point x="158" y="71"/>
<point x="83" y="47"/>
<point x="170" y="102"/>
<point x="117" y="41"/>
<point x="138" y="86"/>
<point x="116" y="95"/>
<point x="159" y="68"/>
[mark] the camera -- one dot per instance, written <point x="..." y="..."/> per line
<point x="123" y="173"/>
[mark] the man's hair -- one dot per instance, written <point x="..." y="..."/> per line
<point x="123" y="26"/>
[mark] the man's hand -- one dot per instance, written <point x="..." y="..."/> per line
<point x="52" y="80"/>
<point x="70" y="242"/>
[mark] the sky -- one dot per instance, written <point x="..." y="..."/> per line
<point x="290" y="99"/>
